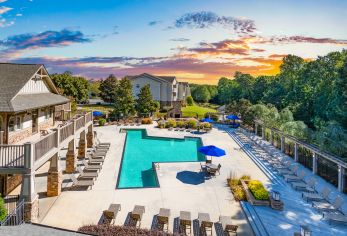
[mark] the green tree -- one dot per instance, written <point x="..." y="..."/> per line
<point x="201" y="94"/>
<point x="145" y="105"/>
<point x="123" y="100"/>
<point x="108" y="88"/>
<point x="94" y="90"/>
<point x="190" y="101"/>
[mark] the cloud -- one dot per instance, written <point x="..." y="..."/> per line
<point x="19" y="14"/>
<point x="236" y="47"/>
<point x="1" y="1"/>
<point x="206" y="19"/>
<point x="298" y="39"/>
<point x="45" y="39"/>
<point x="4" y="23"/>
<point x="180" y="39"/>
<point x="155" y="22"/>
<point x="3" y="10"/>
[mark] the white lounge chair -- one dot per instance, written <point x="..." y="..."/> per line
<point x="307" y="187"/>
<point x="336" y="217"/>
<point x="323" y="196"/>
<point x="298" y="176"/>
<point x="91" y="167"/>
<point x="88" y="174"/>
<point x="291" y="170"/>
<point x="81" y="183"/>
<point x="330" y="207"/>
<point x="227" y="225"/>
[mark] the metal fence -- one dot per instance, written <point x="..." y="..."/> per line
<point x="14" y="217"/>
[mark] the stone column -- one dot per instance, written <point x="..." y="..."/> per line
<point x="54" y="179"/>
<point x="71" y="160"/>
<point x="283" y="143"/>
<point x="28" y="191"/>
<point x="341" y="179"/>
<point x="296" y="152"/>
<point x="314" y="163"/>
<point x="82" y="147"/>
<point x="90" y="137"/>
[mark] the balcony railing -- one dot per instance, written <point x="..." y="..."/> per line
<point x="45" y="144"/>
<point x="66" y="131"/>
<point x="14" y="217"/>
<point x="11" y="156"/>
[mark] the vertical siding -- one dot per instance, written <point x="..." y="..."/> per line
<point x="34" y="86"/>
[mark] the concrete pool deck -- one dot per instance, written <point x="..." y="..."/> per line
<point x="73" y="209"/>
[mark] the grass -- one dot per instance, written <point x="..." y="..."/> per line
<point x="192" y="111"/>
<point x="102" y="108"/>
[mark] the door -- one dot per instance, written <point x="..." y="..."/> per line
<point x="34" y="119"/>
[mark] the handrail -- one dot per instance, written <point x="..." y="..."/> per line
<point x="80" y="122"/>
<point x="66" y="131"/>
<point x="45" y="144"/>
<point x="12" y="156"/>
<point x="15" y="217"/>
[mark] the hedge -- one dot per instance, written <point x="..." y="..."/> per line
<point x="258" y="190"/>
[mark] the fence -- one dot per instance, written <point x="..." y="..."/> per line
<point x="79" y="122"/>
<point x="15" y="217"/>
<point x="11" y="156"/>
<point x="66" y="131"/>
<point x="46" y="144"/>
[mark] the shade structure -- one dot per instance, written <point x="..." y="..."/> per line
<point x="207" y="120"/>
<point x="212" y="150"/>
<point x="233" y="117"/>
<point x="97" y="113"/>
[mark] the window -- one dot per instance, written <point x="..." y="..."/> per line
<point x="18" y="122"/>
<point x="11" y="124"/>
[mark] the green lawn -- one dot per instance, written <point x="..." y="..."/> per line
<point x="102" y="108"/>
<point x="196" y="109"/>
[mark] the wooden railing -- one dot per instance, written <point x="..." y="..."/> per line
<point x="89" y="117"/>
<point x="66" y="131"/>
<point x="79" y="122"/>
<point x="11" y="156"/>
<point x="45" y="144"/>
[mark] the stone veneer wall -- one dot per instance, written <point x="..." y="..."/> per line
<point x="46" y="124"/>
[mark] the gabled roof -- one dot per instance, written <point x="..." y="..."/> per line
<point x="167" y="79"/>
<point x="12" y="79"/>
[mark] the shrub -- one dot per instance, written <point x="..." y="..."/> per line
<point x="146" y="121"/>
<point x="102" y="122"/>
<point x="190" y="101"/>
<point x="170" y="123"/>
<point x="258" y="190"/>
<point x="3" y="211"/>
<point x="165" y="109"/>
<point x="207" y="125"/>
<point x="180" y="124"/>
<point x="192" y="123"/>
<point x="239" y="194"/>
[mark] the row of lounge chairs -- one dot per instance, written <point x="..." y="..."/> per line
<point x="92" y="167"/>
<point x="291" y="172"/>
<point x="163" y="219"/>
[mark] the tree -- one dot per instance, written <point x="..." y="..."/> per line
<point x="190" y="101"/>
<point x="71" y="86"/>
<point x="123" y="100"/>
<point x="94" y="90"/>
<point x="201" y="94"/>
<point x="144" y="103"/>
<point x="108" y="88"/>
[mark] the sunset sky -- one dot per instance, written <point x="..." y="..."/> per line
<point x="198" y="41"/>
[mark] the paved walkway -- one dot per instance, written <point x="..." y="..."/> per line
<point x="297" y="211"/>
<point x="73" y="209"/>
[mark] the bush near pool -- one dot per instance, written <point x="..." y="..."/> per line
<point x="102" y="122"/>
<point x="146" y="121"/>
<point x="258" y="190"/>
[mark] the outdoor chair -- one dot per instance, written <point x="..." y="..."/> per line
<point x="185" y="221"/>
<point x="292" y="169"/>
<point x="227" y="225"/>
<point x="218" y="170"/>
<point x="95" y="159"/>
<point x="299" y="176"/>
<point x="205" y="223"/>
<point x="87" y="175"/>
<point x="136" y="215"/>
<point x="81" y="183"/>
<point x="110" y="215"/>
<point x="91" y="167"/>
<point x="307" y="187"/>
<point x="163" y="218"/>
<point x="99" y="143"/>
<point x="208" y="161"/>
<point x="330" y="207"/>
<point x="203" y="168"/>
<point x="336" y="217"/>
<point x="323" y="196"/>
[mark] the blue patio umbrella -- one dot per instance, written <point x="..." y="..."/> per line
<point x="233" y="117"/>
<point x="97" y="113"/>
<point x="207" y="120"/>
<point x="212" y="150"/>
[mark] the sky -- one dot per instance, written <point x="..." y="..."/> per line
<point x="198" y="41"/>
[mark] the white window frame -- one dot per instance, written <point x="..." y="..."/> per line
<point x="12" y="119"/>
<point x="20" y="123"/>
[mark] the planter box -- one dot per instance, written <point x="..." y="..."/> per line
<point x="251" y="198"/>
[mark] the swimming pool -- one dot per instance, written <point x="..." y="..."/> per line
<point x="141" y="151"/>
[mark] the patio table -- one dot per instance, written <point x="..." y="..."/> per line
<point x="211" y="166"/>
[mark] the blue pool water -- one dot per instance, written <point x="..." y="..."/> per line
<point x="141" y="151"/>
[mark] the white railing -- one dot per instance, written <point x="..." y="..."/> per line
<point x="80" y="122"/>
<point x="11" y="156"/>
<point x="66" y="131"/>
<point x="45" y="144"/>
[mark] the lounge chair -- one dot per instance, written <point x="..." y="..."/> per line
<point x="95" y="159"/>
<point x="110" y="215"/>
<point x="163" y="218"/>
<point x="81" y="183"/>
<point x="99" y="143"/>
<point x="336" y="217"/>
<point x="330" y="207"/>
<point x="227" y="225"/>
<point x="91" y="166"/>
<point x="299" y="176"/>
<point x="185" y="221"/>
<point x="323" y="196"/>
<point x="205" y="223"/>
<point x="291" y="170"/>
<point x="136" y="214"/>
<point x="306" y="187"/>
<point x="87" y="174"/>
